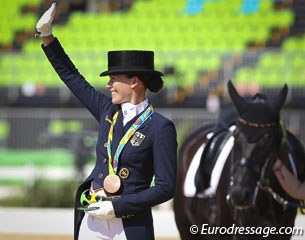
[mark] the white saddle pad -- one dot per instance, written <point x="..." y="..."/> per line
<point x="189" y="182"/>
<point x="189" y="188"/>
<point x="217" y="169"/>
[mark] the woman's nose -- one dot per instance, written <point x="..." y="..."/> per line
<point x="108" y="84"/>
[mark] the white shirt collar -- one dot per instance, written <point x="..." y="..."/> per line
<point x="130" y="110"/>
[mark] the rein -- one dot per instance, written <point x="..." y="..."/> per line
<point x="263" y="183"/>
<point x="278" y="198"/>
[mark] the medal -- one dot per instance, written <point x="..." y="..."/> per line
<point x="112" y="183"/>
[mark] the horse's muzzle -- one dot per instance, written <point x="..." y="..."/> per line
<point x="240" y="197"/>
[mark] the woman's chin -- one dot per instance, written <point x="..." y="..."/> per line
<point x="116" y="101"/>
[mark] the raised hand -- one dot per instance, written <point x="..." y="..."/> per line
<point x="44" y="24"/>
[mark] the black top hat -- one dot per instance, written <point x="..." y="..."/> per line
<point x="127" y="61"/>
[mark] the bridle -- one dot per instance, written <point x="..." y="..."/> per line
<point x="256" y="125"/>
<point x="263" y="181"/>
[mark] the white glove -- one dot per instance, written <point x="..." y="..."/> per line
<point x="43" y="25"/>
<point x="105" y="210"/>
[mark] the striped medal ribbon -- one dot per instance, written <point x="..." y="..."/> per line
<point x="113" y="163"/>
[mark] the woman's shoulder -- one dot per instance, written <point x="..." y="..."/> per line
<point x="161" y="120"/>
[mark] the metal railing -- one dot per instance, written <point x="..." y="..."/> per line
<point x="28" y="126"/>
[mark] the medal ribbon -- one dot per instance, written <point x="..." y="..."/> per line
<point x="113" y="163"/>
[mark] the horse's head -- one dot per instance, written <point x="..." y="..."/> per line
<point x="257" y="138"/>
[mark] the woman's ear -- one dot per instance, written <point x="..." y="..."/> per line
<point x="135" y="80"/>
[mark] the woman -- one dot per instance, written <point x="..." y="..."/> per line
<point x="288" y="181"/>
<point x="134" y="143"/>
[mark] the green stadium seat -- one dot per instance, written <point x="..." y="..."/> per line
<point x="74" y="126"/>
<point x="4" y="130"/>
<point x="57" y="127"/>
<point x="157" y="25"/>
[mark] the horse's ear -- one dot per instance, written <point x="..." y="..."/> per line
<point x="280" y="99"/>
<point x="236" y="98"/>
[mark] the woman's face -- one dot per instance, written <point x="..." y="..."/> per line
<point x="119" y="86"/>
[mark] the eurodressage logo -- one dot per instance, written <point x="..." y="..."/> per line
<point x="137" y="139"/>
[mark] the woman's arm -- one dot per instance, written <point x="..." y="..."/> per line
<point x="47" y="40"/>
<point x="93" y="100"/>
<point x="288" y="181"/>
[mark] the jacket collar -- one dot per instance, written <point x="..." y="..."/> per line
<point x="130" y="110"/>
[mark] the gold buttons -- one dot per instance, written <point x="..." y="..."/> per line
<point x="124" y="173"/>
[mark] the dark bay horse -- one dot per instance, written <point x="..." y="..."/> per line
<point x="248" y="200"/>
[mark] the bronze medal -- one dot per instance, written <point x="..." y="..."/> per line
<point x="112" y="183"/>
<point x="124" y="173"/>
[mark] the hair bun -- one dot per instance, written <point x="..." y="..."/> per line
<point x="155" y="84"/>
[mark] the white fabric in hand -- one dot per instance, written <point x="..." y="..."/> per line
<point x="105" y="210"/>
<point x="44" y="24"/>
